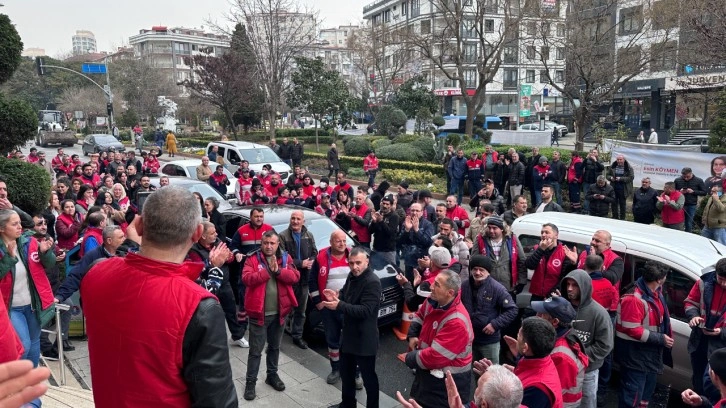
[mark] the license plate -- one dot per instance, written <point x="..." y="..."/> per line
<point x="386" y="310"/>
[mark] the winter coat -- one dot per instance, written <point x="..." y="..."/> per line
<point x="714" y="213"/>
<point x="308" y="250"/>
<point x="457" y="168"/>
<point x="600" y="207"/>
<point x="360" y="299"/>
<point x="590" y="170"/>
<point x="516" y="173"/>
<point x="644" y="205"/>
<point x="625" y="181"/>
<point x="333" y="161"/>
<point x="490" y="303"/>
<point x="255" y="274"/>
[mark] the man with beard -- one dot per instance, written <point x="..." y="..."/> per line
<point x="440" y="213"/>
<point x="559" y="174"/>
<point x="360" y="218"/>
<point x="458" y="171"/>
<point x="341" y="184"/>
<point x="285" y="153"/>
<point x="505" y="253"/>
<point x="692" y="188"/>
<point x="644" y="203"/>
<point x="620" y="175"/>
<point x="414" y="239"/>
<point x="490" y="306"/>
<point x="459" y="249"/>
<point x="550" y="260"/>
<point x="613" y="265"/>
<point x="42" y="162"/>
<point x="384" y="228"/>
<point x="458" y="214"/>
<point x="274" y="186"/>
<point x="516" y="175"/>
<point x="548" y="203"/>
<point x="358" y="302"/>
<point x="215" y="256"/>
<point x="519" y="209"/>
<point x="671" y="202"/>
<point x="594" y="328"/>
<point x="488" y="192"/>
<point x="300" y="243"/>
<point x="405" y="196"/>
<point x="333" y="161"/>
<point x="591" y="170"/>
<point x="599" y="197"/>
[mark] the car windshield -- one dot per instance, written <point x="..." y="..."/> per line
<point x="192" y="171"/>
<point x="321" y="229"/>
<point x="105" y="139"/>
<point x="259" y="156"/>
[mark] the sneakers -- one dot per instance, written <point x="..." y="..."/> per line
<point x="333" y="377"/>
<point x="358" y="383"/>
<point x="250" y="393"/>
<point x="275" y="381"/>
<point x="240" y="343"/>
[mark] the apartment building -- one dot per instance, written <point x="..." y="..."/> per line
<point x="84" y="42"/>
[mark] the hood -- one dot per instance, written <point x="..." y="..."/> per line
<point x="584" y="281"/>
<point x="111" y="143"/>
<point x="383" y="187"/>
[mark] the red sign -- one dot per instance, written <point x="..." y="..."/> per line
<point x="397" y="81"/>
<point x="453" y="92"/>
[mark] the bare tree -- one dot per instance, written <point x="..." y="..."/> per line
<point x="89" y="100"/>
<point x="603" y="53"/>
<point x="378" y="50"/>
<point x="139" y="84"/>
<point x="466" y="45"/>
<point x="278" y="30"/>
<point x="703" y="32"/>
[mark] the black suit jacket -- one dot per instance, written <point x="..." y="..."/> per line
<point x="360" y="299"/>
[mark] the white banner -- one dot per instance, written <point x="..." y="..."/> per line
<point x="665" y="165"/>
<point x="609" y="144"/>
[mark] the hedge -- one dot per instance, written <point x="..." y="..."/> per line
<point x="357" y="147"/>
<point x="201" y="142"/>
<point x="401" y="151"/>
<point x="28" y="184"/>
<point x="426" y="145"/>
<point x="263" y="136"/>
<point x="347" y="162"/>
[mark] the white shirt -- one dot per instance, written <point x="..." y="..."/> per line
<point x="21" y="289"/>
<point x="653" y="139"/>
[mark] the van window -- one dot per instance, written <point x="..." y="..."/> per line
<point x="220" y="151"/>
<point x="234" y="158"/>
<point x="676" y="289"/>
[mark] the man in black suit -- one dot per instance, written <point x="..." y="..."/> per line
<point x="358" y="302"/>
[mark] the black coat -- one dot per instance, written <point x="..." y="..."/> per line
<point x="600" y="207"/>
<point x="360" y="299"/>
<point x="333" y="162"/>
<point x="285" y="151"/>
<point x="385" y="233"/>
<point x="297" y="151"/>
<point x="308" y="250"/>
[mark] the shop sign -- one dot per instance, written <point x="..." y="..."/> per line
<point x="525" y="100"/>
<point x="696" y="81"/>
<point x="447" y="92"/>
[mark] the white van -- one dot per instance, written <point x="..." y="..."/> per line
<point x="257" y="155"/>
<point x="687" y="255"/>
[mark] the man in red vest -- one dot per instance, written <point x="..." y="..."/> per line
<point x="370" y="167"/>
<point x="550" y="260"/>
<point x="613" y="265"/>
<point x="671" y="202"/>
<point x="146" y="307"/>
<point x="360" y="218"/>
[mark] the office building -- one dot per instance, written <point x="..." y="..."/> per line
<point x="84" y="42"/>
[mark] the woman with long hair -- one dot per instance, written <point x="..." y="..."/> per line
<point x="106" y="184"/>
<point x="77" y="172"/>
<point x="51" y="213"/>
<point x="211" y="209"/>
<point x="342" y="205"/>
<point x="84" y="199"/>
<point x="75" y="187"/>
<point x="68" y="225"/>
<point x="201" y="203"/>
<point x="25" y="288"/>
<point x="119" y="194"/>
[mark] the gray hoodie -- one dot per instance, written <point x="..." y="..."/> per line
<point x="592" y="324"/>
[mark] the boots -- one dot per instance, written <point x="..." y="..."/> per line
<point x="250" y="393"/>
<point x="333" y="377"/>
<point x="67" y="346"/>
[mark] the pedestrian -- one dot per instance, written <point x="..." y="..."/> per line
<point x="547" y="200"/>
<point x="170" y="143"/>
<point x="644" y="338"/>
<point x="692" y="188"/>
<point x="268" y="275"/>
<point x="455" y="212"/>
<point x="405" y="196"/>
<point x="286" y="152"/>
<point x="474" y="172"/>
<point x="594" y="328"/>
<point x="670" y="202"/>
<point x="457" y="172"/>
<point x="591" y="169"/>
<point x="558" y="176"/>
<point x="360" y="218"/>
<point x="299" y="241"/>
<point x="600" y="197"/>
<point x="445" y="160"/>
<point x="489" y="159"/>
<point x="358" y="302"/>
<point x="714" y="216"/>
<point x="490" y="306"/>
<point x="517" y="171"/>
<point x="620" y="175"/>
<point x="370" y="167"/>
<point x="159" y="139"/>
<point x="119" y="294"/>
<point x="296" y="154"/>
<point x="414" y="239"/>
<point x="276" y="147"/>
<point x="613" y="266"/>
<point x="644" y="203"/>
<point x="333" y="160"/>
<point x="653" y="138"/>
<point x="491" y="193"/>
<point x="519" y="209"/>
<point x="555" y="137"/>
<point x="641" y="137"/>
<point x="440" y="337"/>
<point x="384" y="229"/>
<point x="459" y="248"/>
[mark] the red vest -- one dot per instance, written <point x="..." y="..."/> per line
<point x="11" y="348"/>
<point x="326" y="263"/>
<point x="36" y="275"/>
<point x="459" y="214"/>
<point x="608" y="257"/>
<point x="571" y="363"/>
<point x="670" y="215"/>
<point x="547" y="274"/>
<point x="361" y="231"/>
<point x="511" y="243"/>
<point x="541" y="373"/>
<point x="137" y="311"/>
<point x="96" y="233"/>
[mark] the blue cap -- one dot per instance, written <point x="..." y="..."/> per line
<point x="557" y="307"/>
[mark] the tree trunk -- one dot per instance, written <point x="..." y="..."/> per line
<point x="230" y="121"/>
<point x="271" y="116"/>
<point x="470" y="114"/>
<point x="580" y="116"/>
<point x="317" y="143"/>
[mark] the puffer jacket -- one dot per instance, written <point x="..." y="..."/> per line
<point x="488" y="303"/>
<point x="255" y="275"/>
<point x="459" y="249"/>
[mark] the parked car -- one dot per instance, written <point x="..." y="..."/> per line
<point x="101" y="143"/>
<point x="188" y="169"/>
<point x="257" y="155"/>
<point x="196" y="186"/>
<point x="697" y="140"/>
<point x="549" y="126"/>
<point x="322" y="227"/>
<point x="687" y="255"/>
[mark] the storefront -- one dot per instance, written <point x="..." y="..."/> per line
<point x="639" y="105"/>
<point x="695" y="98"/>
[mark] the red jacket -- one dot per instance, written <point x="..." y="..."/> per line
<point x="57" y="161"/>
<point x="608" y="256"/>
<point x="541" y="373"/>
<point x="459" y="214"/>
<point x="11" y="348"/>
<point x="637" y="318"/>
<point x="361" y="231"/>
<point x="255" y="276"/>
<point x="151" y="165"/>
<point x="67" y="230"/>
<point x="29" y="253"/>
<point x="604" y="293"/>
<point x="547" y="274"/>
<point x="572" y="176"/>
<point x="571" y="363"/>
<point x="670" y="215"/>
<point x="272" y="190"/>
<point x="450" y="328"/>
<point x="142" y="367"/>
<point x="370" y="163"/>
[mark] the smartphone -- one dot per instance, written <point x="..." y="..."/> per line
<point x="720" y="193"/>
<point x="707" y="329"/>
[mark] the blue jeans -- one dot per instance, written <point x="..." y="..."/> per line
<point x="537" y="193"/>
<point x="372" y="177"/>
<point x="690" y="211"/>
<point x="635" y="386"/>
<point x="558" y="191"/>
<point x="586" y="204"/>
<point x="457" y="188"/>
<point x="28" y="328"/>
<point x="589" y="390"/>
<point x="716" y="234"/>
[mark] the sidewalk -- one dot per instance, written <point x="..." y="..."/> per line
<point x="303" y="372"/>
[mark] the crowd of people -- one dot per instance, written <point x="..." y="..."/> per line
<point x="167" y="263"/>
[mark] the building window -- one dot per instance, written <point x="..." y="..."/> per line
<point x="544" y="76"/>
<point x="560" y="53"/>
<point x="510" y="79"/>
<point x="664" y="56"/>
<point x="415" y="8"/>
<point x="510" y="55"/>
<point x="470" y="53"/>
<point x="426" y="27"/>
<point x="531" y="52"/>
<point x="404" y="8"/>
<point x="629" y="61"/>
<point x="663" y="15"/>
<point x="387" y="16"/>
<point x="531" y="28"/>
<point x="631" y="20"/>
<point x="491" y="7"/>
<point x="545" y="53"/>
<point x="468" y="29"/>
<point x="560" y="30"/>
<point x="529" y="76"/>
<point x="546" y="29"/>
<point x="470" y="78"/>
<point x="559" y="76"/>
<point x="489" y="25"/>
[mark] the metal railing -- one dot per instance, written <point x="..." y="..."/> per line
<point x="59" y="340"/>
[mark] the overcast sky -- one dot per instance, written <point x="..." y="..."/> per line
<point x="50" y="24"/>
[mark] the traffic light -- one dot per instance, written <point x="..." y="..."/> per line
<point x="39" y="66"/>
<point x="109" y="108"/>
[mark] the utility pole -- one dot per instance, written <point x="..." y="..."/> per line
<point x="110" y="98"/>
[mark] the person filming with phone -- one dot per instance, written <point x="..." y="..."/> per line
<point x="714" y="216"/>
